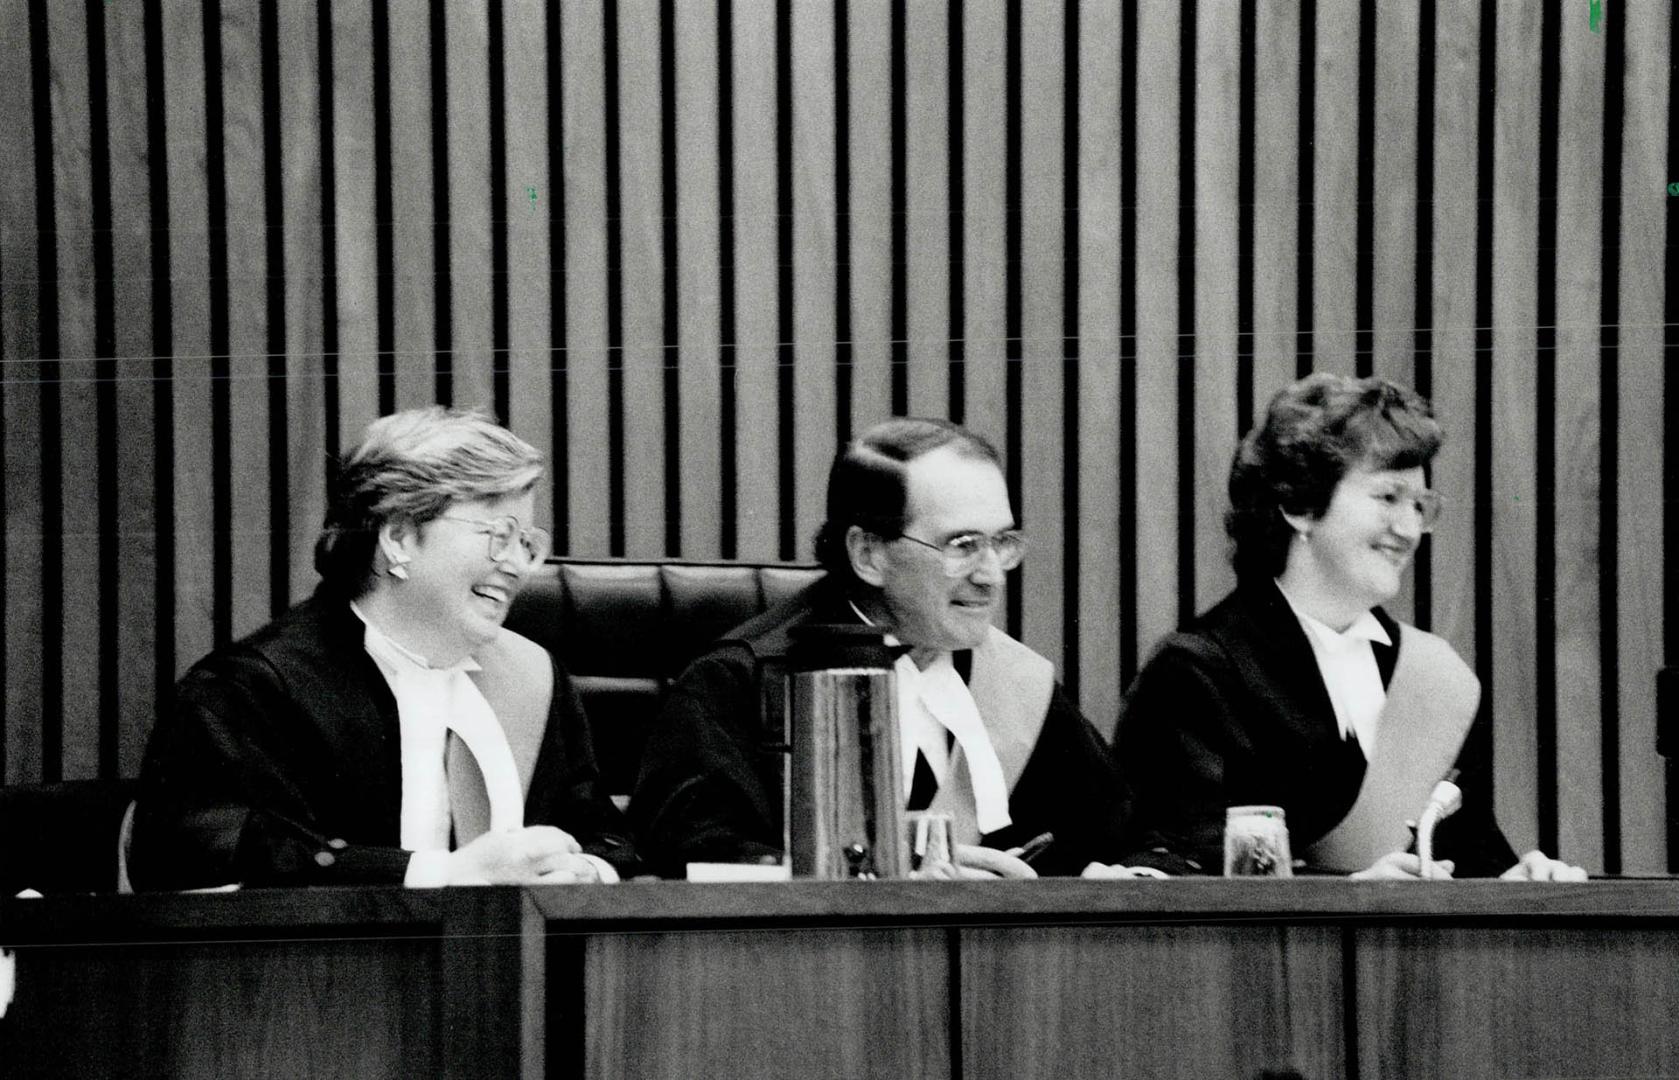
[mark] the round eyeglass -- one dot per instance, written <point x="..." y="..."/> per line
<point x="964" y="552"/>
<point x="503" y="531"/>
<point x="1425" y="504"/>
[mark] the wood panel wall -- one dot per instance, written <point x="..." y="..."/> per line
<point x="687" y="246"/>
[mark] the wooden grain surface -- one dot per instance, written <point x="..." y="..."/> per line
<point x="1187" y="1002"/>
<point x="821" y="1004"/>
<point x="1524" y="1003"/>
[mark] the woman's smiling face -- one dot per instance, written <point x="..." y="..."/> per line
<point x="1359" y="548"/>
<point x="453" y="588"/>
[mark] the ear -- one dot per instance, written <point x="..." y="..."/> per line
<point x="394" y="538"/>
<point x="867" y="553"/>
<point x="1302" y="524"/>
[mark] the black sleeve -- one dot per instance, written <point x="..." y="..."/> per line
<point x="567" y="791"/>
<point x="1471" y="837"/>
<point x="222" y="794"/>
<point x="709" y="787"/>
<point x="1069" y="788"/>
<point x="1172" y="743"/>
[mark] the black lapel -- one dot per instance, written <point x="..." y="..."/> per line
<point x="322" y="655"/>
<point x="1271" y="644"/>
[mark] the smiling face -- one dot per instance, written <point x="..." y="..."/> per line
<point x="946" y="495"/>
<point x="455" y="598"/>
<point x="1352" y="557"/>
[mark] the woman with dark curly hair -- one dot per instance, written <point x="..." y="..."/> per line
<point x="1297" y="690"/>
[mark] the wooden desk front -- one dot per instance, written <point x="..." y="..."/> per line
<point x="1327" y="978"/>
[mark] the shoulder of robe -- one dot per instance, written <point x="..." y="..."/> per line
<point x="514" y="656"/>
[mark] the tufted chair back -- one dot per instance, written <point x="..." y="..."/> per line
<point x="625" y="630"/>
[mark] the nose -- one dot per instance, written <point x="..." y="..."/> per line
<point x="514" y="561"/>
<point x="1407" y="523"/>
<point x="989" y="569"/>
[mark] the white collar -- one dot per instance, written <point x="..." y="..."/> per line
<point x="385" y="647"/>
<point x="1364" y="628"/>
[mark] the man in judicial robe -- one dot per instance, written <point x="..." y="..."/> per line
<point x="919" y="536"/>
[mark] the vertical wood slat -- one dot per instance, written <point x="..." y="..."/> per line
<point x="1394" y="263"/>
<point x="1393" y="308"/>
<point x="1515" y="390"/>
<point x="815" y="255"/>
<point x="247" y="315"/>
<point x="757" y="431"/>
<point x="136" y="510"/>
<point x="354" y="228"/>
<point x="1217" y="149"/>
<point x="1042" y="453"/>
<point x="471" y="268"/>
<point x="1157" y="322"/>
<point x="642" y="233"/>
<point x="1646" y="273"/>
<point x="20" y="346"/>
<point x="870" y="211"/>
<point x="1276" y="210"/>
<point x="183" y="83"/>
<point x="983" y="266"/>
<point x="1456" y="93"/>
<point x="927" y="202"/>
<point x="1096" y="593"/>
<point x="78" y="479"/>
<point x="583" y="71"/>
<point x="699" y="275"/>
<point x="1576" y="450"/>
<point x="414" y="290"/>
<point x="1335" y="189"/>
<point x="300" y="161"/>
<point x="529" y="296"/>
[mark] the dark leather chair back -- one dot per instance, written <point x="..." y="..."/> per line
<point x="625" y="630"/>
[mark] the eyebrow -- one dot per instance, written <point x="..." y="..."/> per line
<point x="948" y="537"/>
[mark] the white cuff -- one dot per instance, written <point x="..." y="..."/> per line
<point x="427" y="870"/>
<point x="608" y="875"/>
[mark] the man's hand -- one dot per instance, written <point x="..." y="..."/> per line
<point x="534" y="855"/>
<point x="1111" y="871"/>
<point x="984" y="862"/>
<point x="975" y="863"/>
<point x="1402" y="866"/>
<point x="1537" y="866"/>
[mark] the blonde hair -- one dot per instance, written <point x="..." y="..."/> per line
<point x="410" y="467"/>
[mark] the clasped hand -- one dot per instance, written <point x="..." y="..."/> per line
<point x="533" y="855"/>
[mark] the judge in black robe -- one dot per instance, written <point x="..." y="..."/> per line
<point x="919" y="535"/>
<point x="390" y="728"/>
<point x="1261" y="701"/>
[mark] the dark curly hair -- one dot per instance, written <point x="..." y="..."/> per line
<point x="867" y="483"/>
<point x="1313" y="434"/>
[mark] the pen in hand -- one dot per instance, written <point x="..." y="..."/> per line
<point x="1032" y="848"/>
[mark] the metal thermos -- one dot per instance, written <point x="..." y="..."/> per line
<point x="845" y="799"/>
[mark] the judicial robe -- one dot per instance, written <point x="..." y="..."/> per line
<point x="1233" y="711"/>
<point x="710" y="788"/>
<point x="288" y="741"/>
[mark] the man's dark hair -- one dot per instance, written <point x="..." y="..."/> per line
<point x="867" y="485"/>
<point x="1314" y="432"/>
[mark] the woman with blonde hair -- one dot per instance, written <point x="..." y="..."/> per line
<point x="389" y="728"/>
